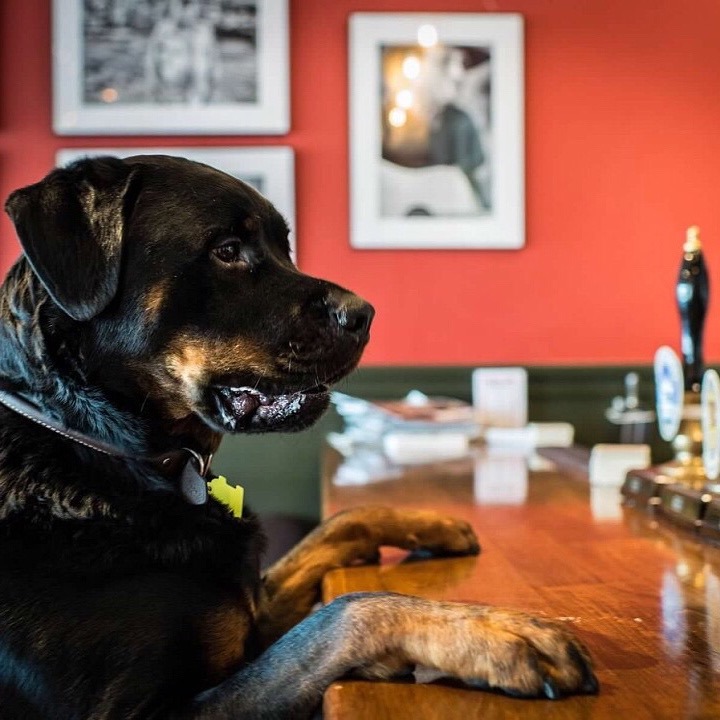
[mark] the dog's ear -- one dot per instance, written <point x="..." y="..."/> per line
<point x="71" y="227"/>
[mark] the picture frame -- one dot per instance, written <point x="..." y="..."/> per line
<point x="269" y="169"/>
<point x="436" y="131"/>
<point x="164" y="67"/>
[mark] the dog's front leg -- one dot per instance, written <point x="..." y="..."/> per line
<point x="292" y="585"/>
<point x="375" y="634"/>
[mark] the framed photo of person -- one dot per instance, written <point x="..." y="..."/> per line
<point x="436" y="130"/>
<point x="164" y="67"/>
<point x="270" y="170"/>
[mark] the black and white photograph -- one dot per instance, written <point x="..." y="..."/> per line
<point x="269" y="169"/>
<point x="164" y="66"/>
<point x="170" y="51"/>
<point x="444" y="166"/>
<point x="436" y="131"/>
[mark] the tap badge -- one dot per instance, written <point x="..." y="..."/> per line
<point x="669" y="392"/>
<point x="710" y="404"/>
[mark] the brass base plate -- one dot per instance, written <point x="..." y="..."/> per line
<point x="683" y="504"/>
<point x="680" y="497"/>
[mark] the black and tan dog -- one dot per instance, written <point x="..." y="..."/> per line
<point x="154" y="309"/>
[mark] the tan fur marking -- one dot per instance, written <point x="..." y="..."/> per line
<point x="192" y="358"/>
<point x="176" y="378"/>
<point x="188" y="363"/>
<point x="223" y="635"/>
<point x="154" y="299"/>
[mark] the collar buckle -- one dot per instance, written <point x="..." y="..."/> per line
<point x="202" y="462"/>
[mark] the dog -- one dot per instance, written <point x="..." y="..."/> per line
<point x="154" y="309"/>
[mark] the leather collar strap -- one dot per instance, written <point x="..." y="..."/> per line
<point x="191" y="467"/>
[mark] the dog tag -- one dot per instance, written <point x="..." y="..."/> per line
<point x="228" y="495"/>
<point x="192" y="485"/>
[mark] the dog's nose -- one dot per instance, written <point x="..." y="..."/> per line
<point x="351" y="313"/>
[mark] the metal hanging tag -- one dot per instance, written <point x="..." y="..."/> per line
<point x="193" y="485"/>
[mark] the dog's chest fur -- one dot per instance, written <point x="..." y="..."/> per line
<point x="149" y="567"/>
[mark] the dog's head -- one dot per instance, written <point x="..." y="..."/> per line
<point x="174" y="285"/>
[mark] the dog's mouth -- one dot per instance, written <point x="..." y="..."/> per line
<point x="249" y="409"/>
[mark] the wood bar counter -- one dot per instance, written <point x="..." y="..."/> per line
<point x="643" y="596"/>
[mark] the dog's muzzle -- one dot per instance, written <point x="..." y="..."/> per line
<point x="342" y="321"/>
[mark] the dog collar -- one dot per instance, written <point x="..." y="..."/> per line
<point x="189" y="466"/>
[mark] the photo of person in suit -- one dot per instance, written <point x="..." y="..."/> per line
<point x="436" y="131"/>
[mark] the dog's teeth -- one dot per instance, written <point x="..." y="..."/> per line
<point x="250" y="405"/>
<point x="244" y="404"/>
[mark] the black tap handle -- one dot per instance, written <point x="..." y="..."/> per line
<point x="692" y="293"/>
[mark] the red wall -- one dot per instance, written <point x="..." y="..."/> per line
<point x="622" y="154"/>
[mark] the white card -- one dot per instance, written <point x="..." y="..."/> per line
<point x="610" y="463"/>
<point x="500" y="396"/>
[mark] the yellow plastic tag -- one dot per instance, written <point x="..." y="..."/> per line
<point x="229" y="495"/>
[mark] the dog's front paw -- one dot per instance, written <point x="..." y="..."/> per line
<point x="525" y="656"/>
<point x="438" y="534"/>
<point x="366" y="529"/>
<point x="483" y="646"/>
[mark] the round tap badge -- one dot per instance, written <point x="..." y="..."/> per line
<point x="669" y="391"/>
<point x="710" y="403"/>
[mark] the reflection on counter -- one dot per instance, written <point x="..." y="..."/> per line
<point x="674" y="621"/>
<point x="500" y="477"/>
<point x="712" y="600"/>
<point x="689" y="590"/>
<point x="605" y="502"/>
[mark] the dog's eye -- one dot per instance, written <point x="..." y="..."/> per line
<point x="230" y="252"/>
